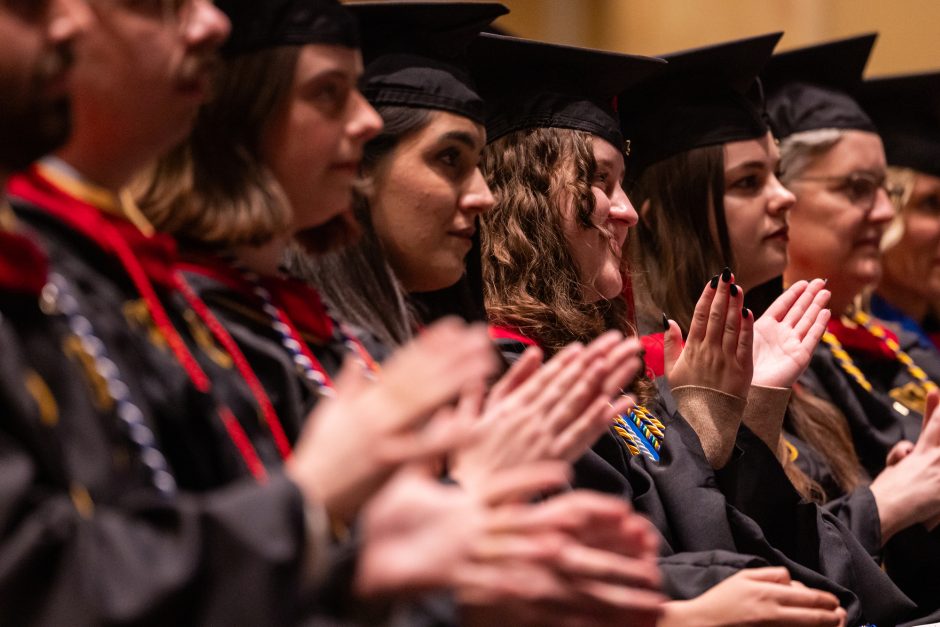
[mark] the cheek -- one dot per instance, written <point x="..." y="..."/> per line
<point x="922" y="233"/>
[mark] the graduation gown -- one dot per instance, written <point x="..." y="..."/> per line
<point x="233" y="300"/>
<point x="746" y="515"/>
<point x="86" y="538"/>
<point x="877" y="423"/>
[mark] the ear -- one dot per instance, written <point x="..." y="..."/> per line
<point x="644" y="211"/>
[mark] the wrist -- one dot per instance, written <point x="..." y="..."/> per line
<point x="679" y="614"/>
<point x="892" y="503"/>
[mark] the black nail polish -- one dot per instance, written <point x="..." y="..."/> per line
<point x="744" y="313"/>
<point x="734" y="289"/>
<point x="726" y="274"/>
<point x="665" y="322"/>
<point x="715" y="282"/>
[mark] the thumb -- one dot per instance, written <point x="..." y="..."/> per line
<point x="899" y="451"/>
<point x="775" y="574"/>
<point x="672" y="344"/>
<point x="930" y="427"/>
<point x="933" y="400"/>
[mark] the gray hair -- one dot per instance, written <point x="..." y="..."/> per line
<point x="799" y="150"/>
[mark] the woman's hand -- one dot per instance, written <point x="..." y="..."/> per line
<point x="786" y="335"/>
<point x="908" y="492"/>
<point x="763" y="597"/>
<point x="354" y="441"/>
<point x="554" y="411"/>
<point x="503" y="557"/>
<point x="718" y="351"/>
<point x="604" y="571"/>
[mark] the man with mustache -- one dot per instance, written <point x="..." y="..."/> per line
<point x="36" y="38"/>
<point x="138" y="484"/>
<point x="112" y="508"/>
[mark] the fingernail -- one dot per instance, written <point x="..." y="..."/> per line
<point x="715" y="282"/>
<point x="665" y="322"/>
<point x="726" y="274"/>
<point x="744" y="313"/>
<point x="734" y="289"/>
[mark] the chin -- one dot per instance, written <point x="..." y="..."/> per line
<point x="610" y="288"/>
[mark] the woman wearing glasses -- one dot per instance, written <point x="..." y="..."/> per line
<point x="883" y="382"/>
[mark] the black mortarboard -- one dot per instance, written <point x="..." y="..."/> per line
<point x="906" y="110"/>
<point x="699" y="100"/>
<point x="260" y="24"/>
<point x="812" y="88"/>
<point x="416" y="53"/>
<point x="532" y="84"/>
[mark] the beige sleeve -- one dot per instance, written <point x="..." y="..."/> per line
<point x="715" y="416"/>
<point x="766" y="408"/>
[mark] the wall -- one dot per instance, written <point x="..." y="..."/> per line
<point x="909" y="40"/>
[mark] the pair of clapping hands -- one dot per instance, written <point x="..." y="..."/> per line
<point x="578" y="558"/>
<point x="571" y="559"/>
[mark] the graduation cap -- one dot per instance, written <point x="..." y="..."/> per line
<point x="416" y="53"/>
<point x="812" y="88"/>
<point x="906" y="110"/>
<point x="702" y="98"/>
<point x="261" y="24"/>
<point x="532" y="84"/>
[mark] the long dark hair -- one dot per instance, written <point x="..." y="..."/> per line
<point x="681" y="241"/>
<point x="682" y="236"/>
<point x="356" y="280"/>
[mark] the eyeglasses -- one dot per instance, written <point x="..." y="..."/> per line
<point x="860" y="188"/>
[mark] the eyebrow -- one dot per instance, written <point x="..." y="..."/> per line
<point x="460" y="136"/>
<point x="610" y="164"/>
<point x="748" y="165"/>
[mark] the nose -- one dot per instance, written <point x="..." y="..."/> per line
<point x="781" y="199"/>
<point x="68" y="19"/>
<point x="207" y="27"/>
<point x="477" y="198"/>
<point x="883" y="209"/>
<point x="622" y="209"/>
<point x="364" y="121"/>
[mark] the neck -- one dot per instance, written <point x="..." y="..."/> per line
<point x="110" y="172"/>
<point x="264" y="260"/>
<point x="843" y="295"/>
<point x="908" y="301"/>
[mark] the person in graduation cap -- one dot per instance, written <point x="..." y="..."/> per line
<point x="133" y="493"/>
<point x="904" y="108"/>
<point x="408" y="269"/>
<point x="677" y="196"/>
<point x="290" y="179"/>
<point x="833" y="160"/>
<point x="703" y="177"/>
<point x="531" y="120"/>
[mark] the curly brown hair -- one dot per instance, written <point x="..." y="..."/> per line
<point x="530" y="278"/>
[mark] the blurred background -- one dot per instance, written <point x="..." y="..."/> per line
<point x="909" y="29"/>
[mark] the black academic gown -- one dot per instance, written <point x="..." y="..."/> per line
<point x="912" y="556"/>
<point x="233" y="302"/>
<point x="747" y="515"/>
<point x="86" y="539"/>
